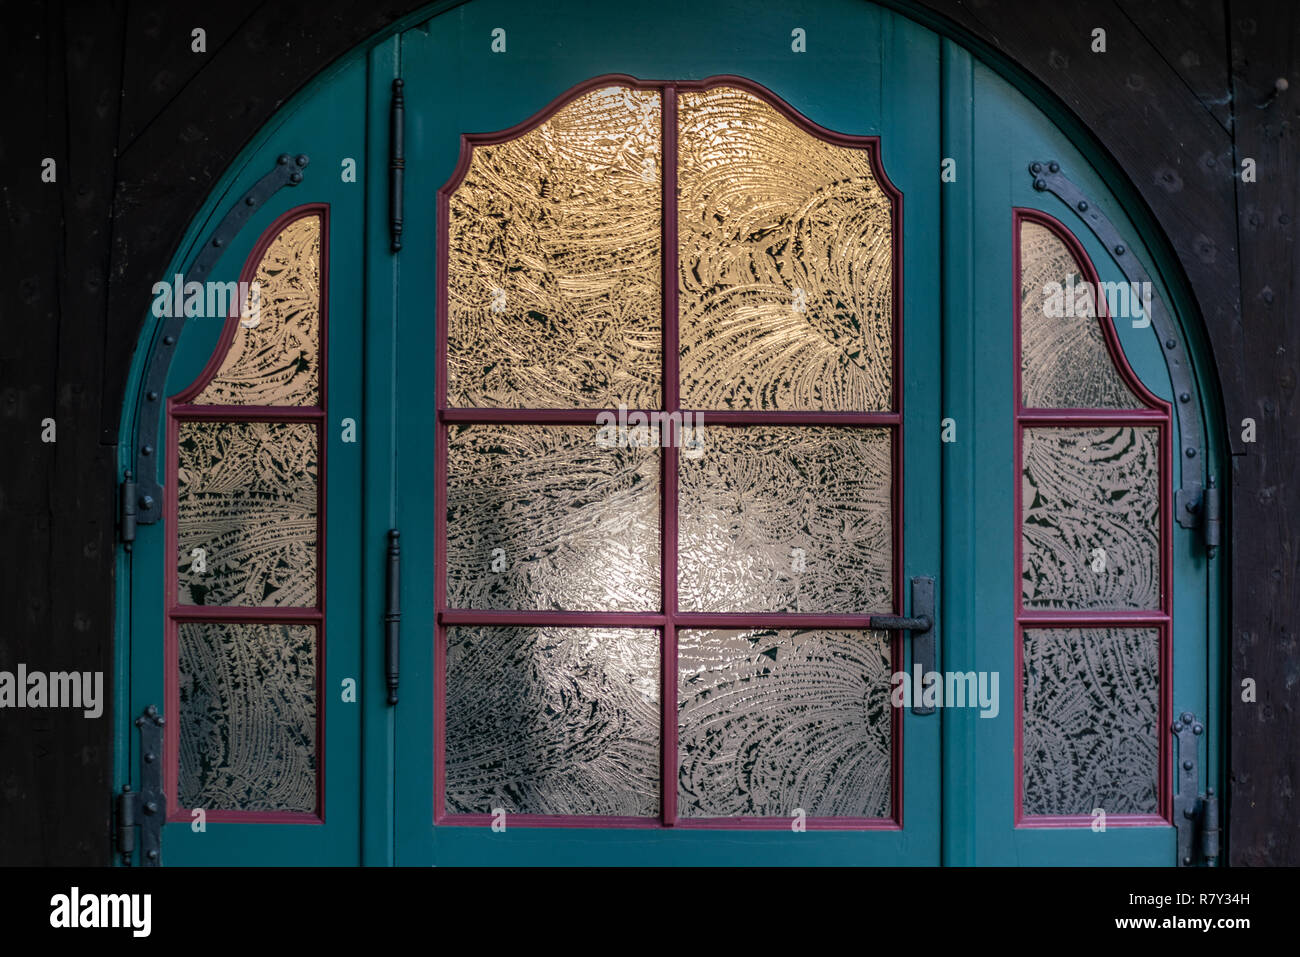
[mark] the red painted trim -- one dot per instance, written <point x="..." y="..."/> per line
<point x="695" y="823"/>
<point x="1156" y="414"/>
<point x="704" y="416"/>
<point x="668" y="693"/>
<point x="247" y="413"/>
<point x="180" y="409"/>
<point x="670" y="618"/>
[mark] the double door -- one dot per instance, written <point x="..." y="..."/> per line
<point x="753" y="504"/>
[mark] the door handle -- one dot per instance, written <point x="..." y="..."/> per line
<point x="923" y="626"/>
<point x="393" y="616"/>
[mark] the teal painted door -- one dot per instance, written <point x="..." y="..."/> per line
<point x="243" y="603"/>
<point x="628" y="641"/>
<point x="1064" y="569"/>
<point x="656" y="651"/>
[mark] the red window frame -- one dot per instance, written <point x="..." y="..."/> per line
<point x="1155" y="413"/>
<point x="669" y="619"/>
<point x="180" y="408"/>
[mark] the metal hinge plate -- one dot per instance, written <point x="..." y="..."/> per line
<point x="140" y="814"/>
<point x="1196" y="815"/>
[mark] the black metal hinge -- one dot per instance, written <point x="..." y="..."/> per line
<point x="393" y="616"/>
<point x="1196" y="815"/>
<point x="396" y="164"/>
<point x="140" y="814"/>
<point x="126" y="499"/>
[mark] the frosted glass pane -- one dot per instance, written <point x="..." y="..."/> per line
<point x="1091" y="720"/>
<point x="786" y="252"/>
<point x="1091" y="511"/>
<point x="274" y="358"/>
<point x="1064" y="362"/>
<point x="555" y="271"/>
<point x="543" y="517"/>
<point x="787" y="518"/>
<point x="553" y="721"/>
<point x="772" y="722"/>
<point x="246" y="502"/>
<point x="247" y="716"/>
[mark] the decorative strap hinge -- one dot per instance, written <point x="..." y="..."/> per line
<point x="1196" y="815"/>
<point x="148" y="498"/>
<point x="1193" y="503"/>
<point x="140" y="814"/>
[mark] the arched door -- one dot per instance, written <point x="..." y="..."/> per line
<point x="765" y="488"/>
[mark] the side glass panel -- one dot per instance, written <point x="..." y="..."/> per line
<point x="1094" y="624"/>
<point x="246" y="483"/>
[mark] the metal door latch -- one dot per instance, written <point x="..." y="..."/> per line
<point x="923" y="627"/>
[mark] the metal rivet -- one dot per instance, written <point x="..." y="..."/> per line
<point x="302" y="159"/>
<point x="150" y="758"/>
<point x="251" y="201"/>
<point x="1119" y="250"/>
<point x="1054" y="166"/>
<point x="153" y="856"/>
<point x="146" y="501"/>
<point x="1185" y="397"/>
<point x="282" y="158"/>
<point x="218" y="242"/>
<point x="1191" y="453"/>
<point x="1187" y="765"/>
<point x="1198" y="729"/>
<point x="152" y="396"/>
<point x="1083" y="206"/>
<point x="150" y="807"/>
<point x="1040" y="184"/>
<point x="1035" y="167"/>
<point x="295" y="177"/>
<point x="1170" y="343"/>
<point x="169" y="340"/>
<point x="1188" y="717"/>
<point x="147" y="450"/>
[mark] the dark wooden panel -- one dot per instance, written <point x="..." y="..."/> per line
<point x="57" y="577"/>
<point x="1265" y="739"/>
<point x="1191" y="37"/>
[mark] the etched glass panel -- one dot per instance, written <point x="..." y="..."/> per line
<point x="787" y="251"/>
<point x="787" y="519"/>
<point x="1091" y="518"/>
<point x="247" y="716"/>
<point x="773" y="721"/>
<point x="1064" y="362"/>
<point x="275" y="356"/>
<point x="547" y="517"/>
<point x="553" y="721"/>
<point x="1091" y="720"/>
<point x="246" y="504"/>
<point x="554" y="272"/>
